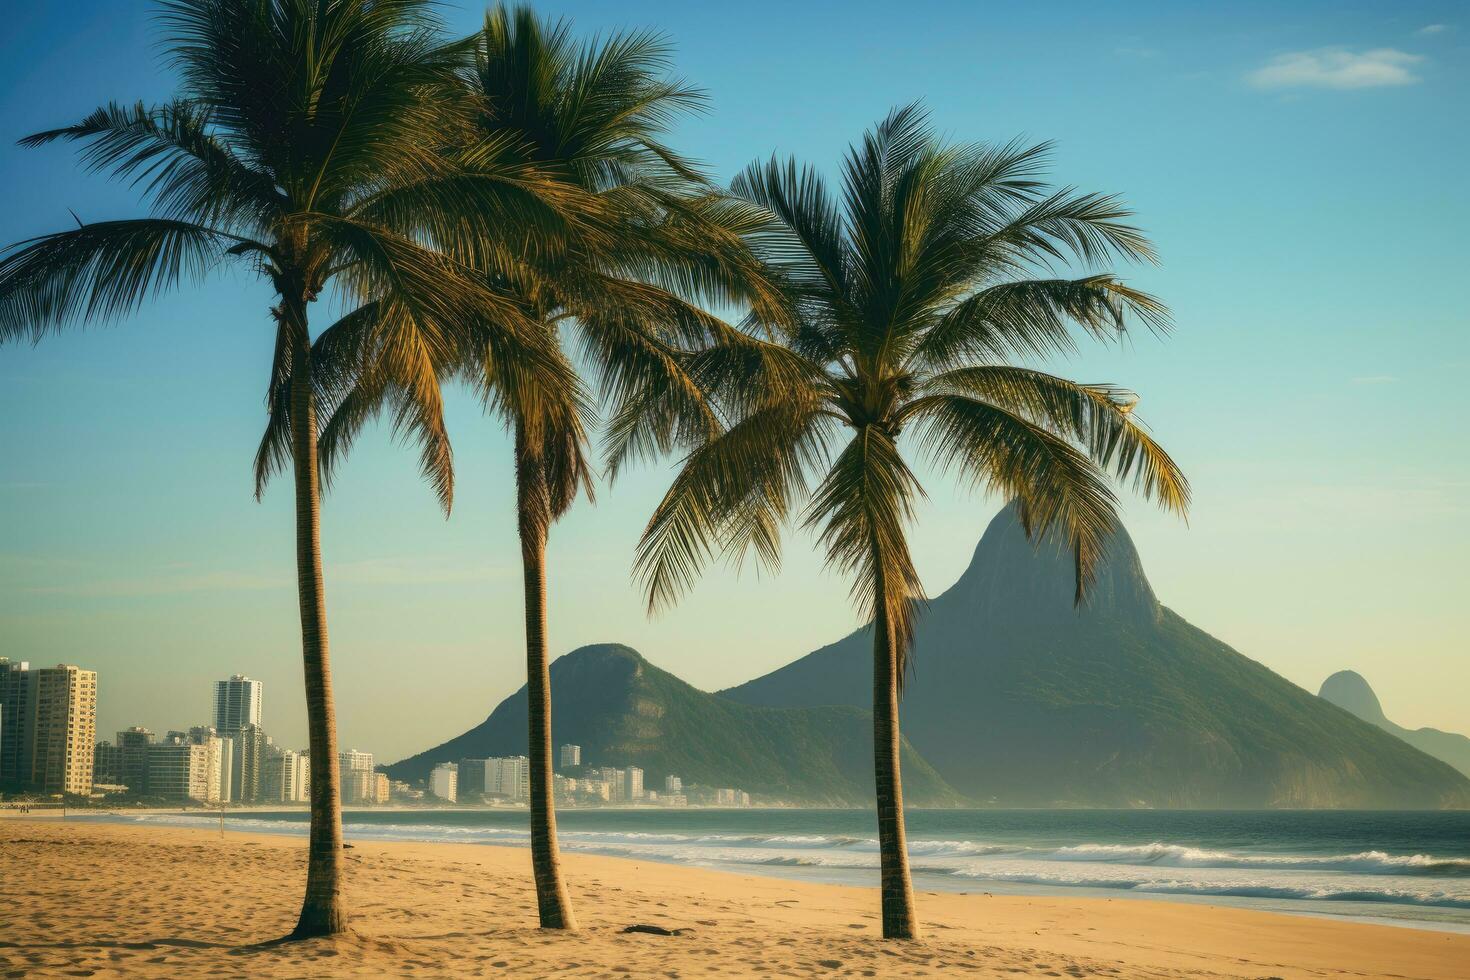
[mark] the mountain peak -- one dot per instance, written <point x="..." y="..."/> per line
<point x="1350" y="691"/>
<point x="1015" y="577"/>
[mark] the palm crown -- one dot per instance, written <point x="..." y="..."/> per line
<point x="307" y="142"/>
<point x="909" y="294"/>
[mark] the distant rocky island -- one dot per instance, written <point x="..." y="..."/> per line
<point x="1350" y="691"/>
<point x="1018" y="698"/>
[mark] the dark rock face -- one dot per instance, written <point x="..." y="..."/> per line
<point x="1019" y="697"/>
<point x="1350" y="691"/>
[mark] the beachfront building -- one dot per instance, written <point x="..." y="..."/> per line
<point x="132" y="748"/>
<point x="443" y="782"/>
<point x="107" y="764"/>
<point x="632" y="783"/>
<point x="474" y="779"/>
<point x="287" y="777"/>
<point x="382" y="789"/>
<point x="221" y="761"/>
<point x="673" y="784"/>
<point x="571" y="755"/>
<point x="613" y="780"/>
<point x="252" y="748"/>
<point x="358" y="782"/>
<point x="509" y="778"/>
<point x="236" y="704"/>
<point x="17" y="697"/>
<point x="64" y="732"/>
<point x="178" y="770"/>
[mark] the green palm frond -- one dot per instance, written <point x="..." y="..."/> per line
<point x="1034" y="318"/>
<point x="1098" y="418"/>
<point x="861" y="512"/>
<point x="171" y="154"/>
<point x="100" y="272"/>
<point x="731" y="492"/>
<point x="1056" y="486"/>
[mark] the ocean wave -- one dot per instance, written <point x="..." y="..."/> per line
<point x="1157" y="868"/>
<point x="1175" y="855"/>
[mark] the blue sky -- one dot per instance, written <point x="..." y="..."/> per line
<point x="1299" y="166"/>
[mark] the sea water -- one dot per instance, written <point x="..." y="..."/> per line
<point x="1410" y="868"/>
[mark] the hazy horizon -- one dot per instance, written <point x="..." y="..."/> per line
<point x="1295" y="169"/>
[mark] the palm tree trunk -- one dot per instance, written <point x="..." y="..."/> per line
<point x="323" y="911"/>
<point x="533" y="509"/>
<point x="896" y="889"/>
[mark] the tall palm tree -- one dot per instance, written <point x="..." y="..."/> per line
<point x="911" y="292"/>
<point x="307" y="144"/>
<point x="649" y="234"/>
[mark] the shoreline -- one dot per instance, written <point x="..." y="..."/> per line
<point x="89" y="893"/>
<point x="1391" y="913"/>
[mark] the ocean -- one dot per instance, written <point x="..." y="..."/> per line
<point x="1406" y="868"/>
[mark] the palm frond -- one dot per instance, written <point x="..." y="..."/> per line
<point x="1097" y="417"/>
<point x="861" y="511"/>
<point x="99" y="272"/>
<point x="1056" y="487"/>
<point x="1034" y="318"/>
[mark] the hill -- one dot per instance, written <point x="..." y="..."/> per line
<point x="625" y="711"/>
<point x="1350" y="691"/>
<point x="1019" y="698"/>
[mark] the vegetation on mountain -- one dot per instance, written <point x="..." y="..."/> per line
<point x="1019" y="699"/>
<point x="1350" y="691"/>
<point x="625" y="711"/>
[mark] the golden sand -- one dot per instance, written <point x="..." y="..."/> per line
<point x="111" y="900"/>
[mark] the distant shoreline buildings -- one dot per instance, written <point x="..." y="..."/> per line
<point x="506" y="780"/>
<point x="48" y="746"/>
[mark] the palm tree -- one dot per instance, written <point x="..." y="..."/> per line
<point x="910" y="294"/>
<point x="307" y="144"/>
<point x="646" y="233"/>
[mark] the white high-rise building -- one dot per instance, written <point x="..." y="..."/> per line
<point x="287" y="777"/>
<point x="443" y="782"/>
<point x="358" y="782"/>
<point x="571" y="755"/>
<point x="221" y="762"/>
<point x="236" y="704"/>
<point x="64" y="729"/>
<point x="613" y="780"/>
<point x="251" y="750"/>
<point x="632" y="783"/>
<point x="508" y="777"/>
<point x="673" y="784"/>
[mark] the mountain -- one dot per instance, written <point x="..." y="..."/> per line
<point x="1019" y="698"/>
<point x="1348" y="690"/>
<point x="625" y="711"/>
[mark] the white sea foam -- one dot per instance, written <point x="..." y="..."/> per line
<point x="1157" y="868"/>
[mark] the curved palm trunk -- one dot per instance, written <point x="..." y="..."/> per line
<point x="533" y="511"/>
<point x="896" y="889"/>
<point x="323" y="911"/>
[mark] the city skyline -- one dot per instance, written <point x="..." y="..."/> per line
<point x="1328" y="520"/>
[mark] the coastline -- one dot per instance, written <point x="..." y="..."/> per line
<point x="121" y="899"/>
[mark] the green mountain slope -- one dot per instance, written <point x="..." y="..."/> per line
<point x="1350" y="691"/>
<point x="624" y="711"/>
<point x="1020" y="699"/>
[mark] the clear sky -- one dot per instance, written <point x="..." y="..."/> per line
<point x="1300" y="166"/>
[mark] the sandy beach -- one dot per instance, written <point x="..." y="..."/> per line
<point x="107" y="900"/>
